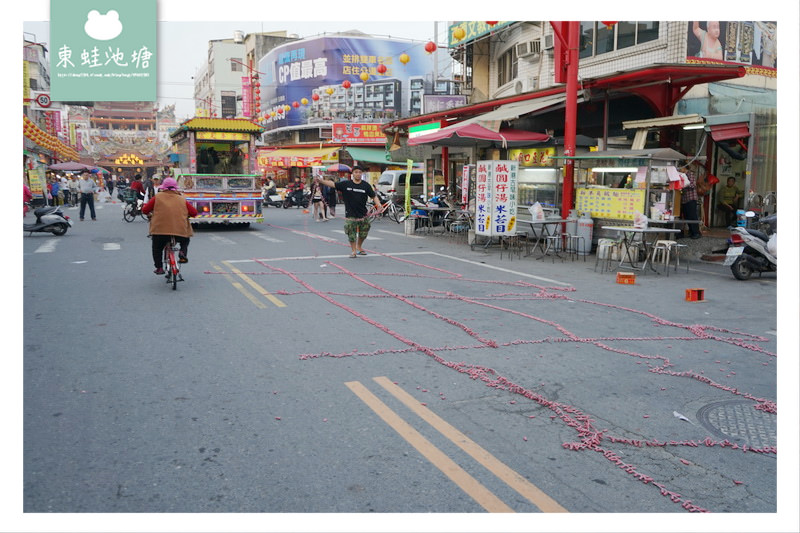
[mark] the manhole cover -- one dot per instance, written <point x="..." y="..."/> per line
<point x="740" y="422"/>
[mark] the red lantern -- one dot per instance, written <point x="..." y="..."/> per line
<point x="381" y="68"/>
<point x="315" y="97"/>
<point x="346" y="84"/>
<point x="430" y="47"/>
<point x="280" y="110"/>
<point x="295" y="104"/>
<point x="492" y="22"/>
<point x="609" y="23"/>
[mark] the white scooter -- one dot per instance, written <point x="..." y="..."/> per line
<point x="49" y="220"/>
<point x="752" y="250"/>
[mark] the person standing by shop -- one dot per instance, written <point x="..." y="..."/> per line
<point x="729" y="201"/>
<point x="87" y="187"/>
<point x="355" y="192"/>
<point x="689" y="205"/>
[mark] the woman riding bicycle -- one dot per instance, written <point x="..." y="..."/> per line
<point x="170" y="217"/>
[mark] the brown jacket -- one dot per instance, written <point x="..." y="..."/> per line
<point x="171" y="214"/>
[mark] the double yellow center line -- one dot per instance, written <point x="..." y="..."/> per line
<point x="258" y="288"/>
<point x="458" y="475"/>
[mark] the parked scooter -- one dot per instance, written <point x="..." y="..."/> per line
<point x="293" y="199"/>
<point x="272" y="198"/>
<point x="49" y="220"/>
<point x="753" y="250"/>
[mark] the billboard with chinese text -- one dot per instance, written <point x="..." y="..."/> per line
<point x="302" y="81"/>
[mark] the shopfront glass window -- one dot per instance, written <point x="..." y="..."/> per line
<point x="587" y="39"/>
<point x="647" y="31"/>
<point x="626" y="34"/>
<point x="605" y="39"/>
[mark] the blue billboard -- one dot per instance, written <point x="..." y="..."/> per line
<point x="302" y="82"/>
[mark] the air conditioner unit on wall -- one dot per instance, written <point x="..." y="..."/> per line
<point x="547" y="42"/>
<point x="529" y="48"/>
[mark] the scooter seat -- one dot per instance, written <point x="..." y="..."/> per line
<point x="758" y="234"/>
<point x="44" y="210"/>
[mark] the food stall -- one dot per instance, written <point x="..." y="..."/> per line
<point x="612" y="186"/>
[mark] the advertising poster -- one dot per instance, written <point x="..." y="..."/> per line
<point x="743" y="42"/>
<point x="321" y="79"/>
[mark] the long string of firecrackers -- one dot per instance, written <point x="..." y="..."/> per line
<point x="590" y="438"/>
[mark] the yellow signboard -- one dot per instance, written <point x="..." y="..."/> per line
<point x="222" y="136"/>
<point x="610" y="203"/>
<point x="532" y="157"/>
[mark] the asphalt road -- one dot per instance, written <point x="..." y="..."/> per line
<point x="283" y="377"/>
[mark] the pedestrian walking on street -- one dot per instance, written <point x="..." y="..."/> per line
<point x="329" y="193"/>
<point x="689" y="205"/>
<point x="318" y="201"/>
<point x="87" y="188"/>
<point x="73" y="190"/>
<point x="355" y="192"/>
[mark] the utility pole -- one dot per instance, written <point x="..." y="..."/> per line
<point x="566" y="70"/>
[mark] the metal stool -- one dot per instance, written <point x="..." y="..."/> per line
<point x="572" y="247"/>
<point x="552" y="242"/>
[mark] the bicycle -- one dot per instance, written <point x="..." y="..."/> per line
<point x="132" y="209"/>
<point x="171" y="269"/>
<point x="389" y="208"/>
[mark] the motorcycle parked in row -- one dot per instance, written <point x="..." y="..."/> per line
<point x="753" y="250"/>
<point x="49" y="220"/>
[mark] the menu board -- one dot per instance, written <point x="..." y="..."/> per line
<point x="496" y="197"/>
<point x="610" y="203"/>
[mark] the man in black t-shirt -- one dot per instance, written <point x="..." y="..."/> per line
<point x="355" y="193"/>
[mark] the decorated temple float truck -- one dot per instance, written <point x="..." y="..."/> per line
<point x="215" y="168"/>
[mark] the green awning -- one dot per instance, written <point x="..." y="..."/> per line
<point x="369" y="155"/>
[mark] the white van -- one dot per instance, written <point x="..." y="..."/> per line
<point x="394" y="182"/>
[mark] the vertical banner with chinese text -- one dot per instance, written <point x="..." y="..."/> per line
<point x="496" y="198"/>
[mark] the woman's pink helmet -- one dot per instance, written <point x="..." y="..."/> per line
<point x="169" y="183"/>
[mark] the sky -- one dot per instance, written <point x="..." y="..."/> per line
<point x="183" y="45"/>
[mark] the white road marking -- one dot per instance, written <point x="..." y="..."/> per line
<point x="48" y="246"/>
<point x="111" y="246"/>
<point x="399" y="234"/>
<point x="373" y="255"/>
<point x="267" y="238"/>
<point x="220" y="239"/>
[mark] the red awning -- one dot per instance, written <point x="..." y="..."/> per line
<point x="724" y="132"/>
<point x="469" y="134"/>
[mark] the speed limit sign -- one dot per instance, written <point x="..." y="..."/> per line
<point x="43" y="100"/>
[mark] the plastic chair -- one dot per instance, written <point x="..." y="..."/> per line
<point x="665" y="250"/>
<point x="606" y="249"/>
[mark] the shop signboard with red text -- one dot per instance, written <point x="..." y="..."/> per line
<point x="496" y="198"/>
